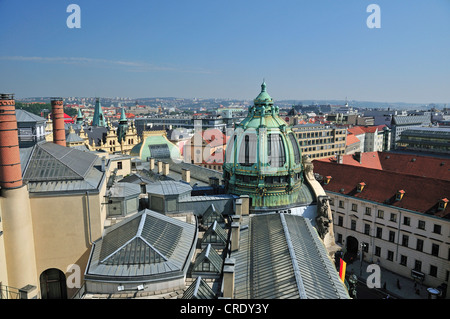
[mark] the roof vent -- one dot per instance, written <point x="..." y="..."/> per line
<point x="399" y="194"/>
<point x="442" y="163"/>
<point x="442" y="203"/>
<point x="360" y="187"/>
<point x="413" y="160"/>
<point x="342" y="190"/>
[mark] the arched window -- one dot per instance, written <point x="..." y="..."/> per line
<point x="247" y="154"/>
<point x="297" y="154"/>
<point x="275" y="150"/>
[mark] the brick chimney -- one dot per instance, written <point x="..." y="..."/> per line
<point x="10" y="169"/>
<point x="59" y="132"/>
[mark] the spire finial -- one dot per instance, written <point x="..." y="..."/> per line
<point x="263" y="86"/>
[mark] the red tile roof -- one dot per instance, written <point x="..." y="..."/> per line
<point x="351" y="139"/>
<point x="425" y="166"/>
<point x="422" y="194"/>
<point x="356" y="130"/>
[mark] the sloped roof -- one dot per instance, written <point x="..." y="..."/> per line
<point x="199" y="289"/>
<point x="351" y="139"/>
<point x="124" y="190"/>
<point x="52" y="162"/>
<point x="211" y="215"/>
<point x="25" y="116"/>
<point x="425" y="166"/>
<point x="145" y="246"/>
<point x="218" y="233"/>
<point x="356" y="130"/>
<point x="411" y="119"/>
<point x="280" y="256"/>
<point x="211" y="256"/>
<point x="422" y="194"/>
<point x="168" y="188"/>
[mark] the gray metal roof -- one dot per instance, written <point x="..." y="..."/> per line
<point x="48" y="167"/>
<point x="211" y="215"/>
<point x="212" y="257"/>
<point x="124" y="190"/>
<point x="147" y="246"/>
<point x="411" y="119"/>
<point x="199" y="289"/>
<point x="281" y="256"/>
<point x="214" y="235"/>
<point x="25" y="116"/>
<point x="168" y="188"/>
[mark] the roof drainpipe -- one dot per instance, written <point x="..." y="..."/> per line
<point x="89" y="217"/>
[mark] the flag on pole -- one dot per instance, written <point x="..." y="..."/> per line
<point x="342" y="267"/>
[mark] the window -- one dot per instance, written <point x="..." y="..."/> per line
<point x="339" y="238"/>
<point x="380" y="214"/>
<point x="437" y="229"/>
<point x="377" y="251"/>
<point x="119" y="165"/>
<point x="275" y="150"/>
<point x="367" y="229"/>
<point x="406" y="221"/>
<point x="421" y="224"/>
<point x="391" y="236"/>
<point x="341" y="204"/>
<point x="435" y="249"/>
<point x="353" y="225"/>
<point x="418" y="265"/>
<point x="354" y="207"/>
<point x="433" y="271"/>
<point x="403" y="260"/>
<point x="393" y="217"/>
<point x="405" y="240"/>
<point x="297" y="157"/>
<point x="379" y="232"/>
<point x="390" y="255"/>
<point x="340" y="221"/>
<point x="419" y="245"/>
<point x="368" y="211"/>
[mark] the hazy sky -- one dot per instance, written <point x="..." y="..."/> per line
<point x="316" y="49"/>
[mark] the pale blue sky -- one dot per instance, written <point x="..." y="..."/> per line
<point x="319" y="49"/>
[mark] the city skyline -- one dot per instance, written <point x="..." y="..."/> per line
<point x="320" y="51"/>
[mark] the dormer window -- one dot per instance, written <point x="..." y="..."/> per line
<point x="399" y="194"/>
<point x="360" y="187"/>
<point x="442" y="204"/>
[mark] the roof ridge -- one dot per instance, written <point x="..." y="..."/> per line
<point x="297" y="273"/>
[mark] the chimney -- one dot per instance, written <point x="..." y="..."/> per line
<point x="339" y="159"/>
<point x="59" y="132"/>
<point x="235" y="234"/>
<point x="238" y="206"/>
<point x="166" y="169"/>
<point x="228" y="278"/>
<point x="152" y="163"/>
<point x="160" y="167"/>
<point x="10" y="169"/>
<point x="245" y="204"/>
<point x="186" y="175"/>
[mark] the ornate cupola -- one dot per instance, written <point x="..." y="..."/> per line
<point x="263" y="159"/>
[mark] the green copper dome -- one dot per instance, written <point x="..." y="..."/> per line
<point x="263" y="159"/>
